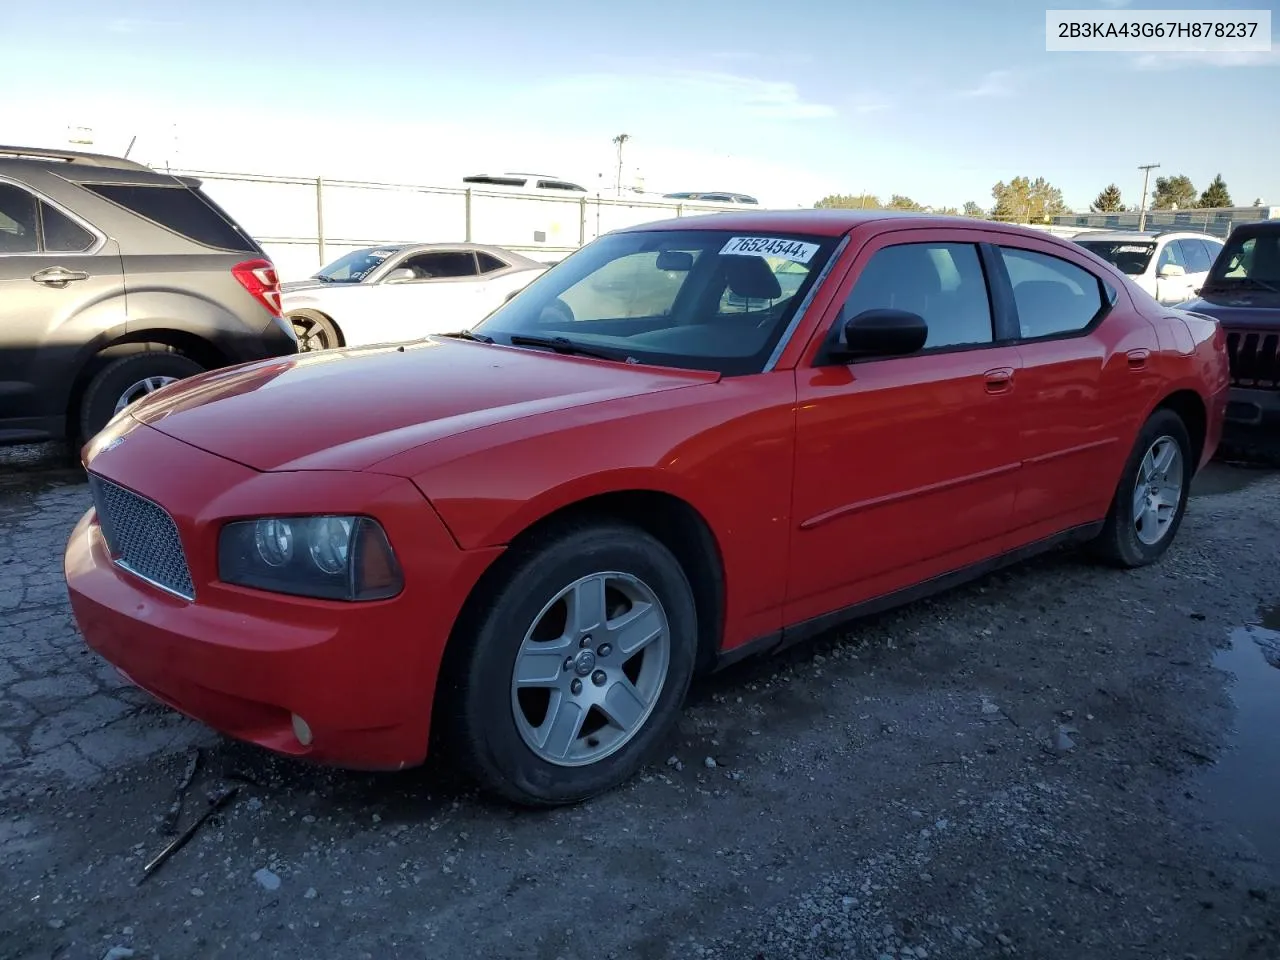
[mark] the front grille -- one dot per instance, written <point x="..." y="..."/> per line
<point x="142" y="537"/>
<point x="1254" y="358"/>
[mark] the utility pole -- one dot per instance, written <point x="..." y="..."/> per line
<point x="620" y="139"/>
<point x="1142" y="210"/>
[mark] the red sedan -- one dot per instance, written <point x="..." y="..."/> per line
<point x="689" y="441"/>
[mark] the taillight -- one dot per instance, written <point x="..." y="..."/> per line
<point x="259" y="277"/>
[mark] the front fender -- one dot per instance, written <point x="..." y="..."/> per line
<point x="725" y="449"/>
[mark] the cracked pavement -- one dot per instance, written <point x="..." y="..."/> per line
<point x="1021" y="767"/>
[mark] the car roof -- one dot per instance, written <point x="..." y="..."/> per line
<point x="824" y="223"/>
<point x="63" y="158"/>
<point x="502" y="253"/>
<point x="1255" y="227"/>
<point x="1136" y="236"/>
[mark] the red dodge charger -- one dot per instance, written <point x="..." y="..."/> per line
<point x="687" y="442"/>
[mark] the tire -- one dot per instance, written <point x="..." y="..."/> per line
<point x="493" y="725"/>
<point x="1124" y="542"/>
<point x="314" y="330"/>
<point x="133" y="376"/>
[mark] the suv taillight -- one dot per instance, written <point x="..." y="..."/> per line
<point x="259" y="277"/>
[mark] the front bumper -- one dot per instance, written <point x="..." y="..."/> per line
<point x="247" y="662"/>
<point x="1250" y="411"/>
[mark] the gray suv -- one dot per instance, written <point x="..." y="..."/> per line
<point x="115" y="280"/>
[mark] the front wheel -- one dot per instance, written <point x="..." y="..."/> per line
<point x="1151" y="499"/>
<point x="576" y="668"/>
<point x="126" y="380"/>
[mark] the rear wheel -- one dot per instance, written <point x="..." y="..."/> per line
<point x="315" y="331"/>
<point x="1151" y="499"/>
<point x="576" y="667"/>
<point x="126" y="380"/>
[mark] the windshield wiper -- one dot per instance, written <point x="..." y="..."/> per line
<point x="324" y="279"/>
<point x="467" y="335"/>
<point x="561" y="345"/>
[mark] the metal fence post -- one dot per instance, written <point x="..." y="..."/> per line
<point x="679" y="209"/>
<point x="468" y="216"/>
<point x="320" y="219"/>
<point x="582" y="221"/>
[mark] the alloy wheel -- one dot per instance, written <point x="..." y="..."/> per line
<point x="1157" y="491"/>
<point x="590" y="669"/>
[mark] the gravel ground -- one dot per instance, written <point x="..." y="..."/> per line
<point x="1024" y="767"/>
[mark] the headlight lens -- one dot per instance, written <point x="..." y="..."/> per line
<point x="327" y="557"/>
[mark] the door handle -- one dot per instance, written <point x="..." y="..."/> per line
<point x="58" y="276"/>
<point x="1138" y="358"/>
<point x="999" y="380"/>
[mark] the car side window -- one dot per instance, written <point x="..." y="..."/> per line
<point x="942" y="282"/>
<point x="62" y="234"/>
<point x="1170" y="254"/>
<point x="1052" y="295"/>
<point x="18" y="232"/>
<point x="1195" y="256"/>
<point x="489" y="263"/>
<point x="1214" y="248"/>
<point x="441" y="264"/>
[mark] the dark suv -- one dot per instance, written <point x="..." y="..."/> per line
<point x="1242" y="292"/>
<point x="115" y="280"/>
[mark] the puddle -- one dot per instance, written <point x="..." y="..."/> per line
<point x="1218" y="478"/>
<point x="1244" y="784"/>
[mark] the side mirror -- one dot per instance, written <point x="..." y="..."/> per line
<point x="882" y="333"/>
<point x="400" y="275"/>
<point x="1170" y="270"/>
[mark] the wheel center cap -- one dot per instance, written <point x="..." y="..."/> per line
<point x="584" y="662"/>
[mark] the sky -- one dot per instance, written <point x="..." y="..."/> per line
<point x="934" y="99"/>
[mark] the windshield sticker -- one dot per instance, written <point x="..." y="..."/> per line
<point x="792" y="250"/>
<point x="1133" y="248"/>
<point x="381" y="254"/>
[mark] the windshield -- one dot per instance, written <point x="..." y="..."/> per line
<point x="698" y="299"/>
<point x="1248" y="263"/>
<point x="1126" y="256"/>
<point x="354" y="266"/>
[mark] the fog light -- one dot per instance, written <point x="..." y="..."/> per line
<point x="301" y="730"/>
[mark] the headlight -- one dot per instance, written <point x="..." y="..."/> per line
<point x="329" y="557"/>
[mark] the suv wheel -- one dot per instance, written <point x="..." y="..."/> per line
<point x="575" y="668"/>
<point x="127" y="379"/>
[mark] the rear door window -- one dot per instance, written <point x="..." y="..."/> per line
<point x="1053" y="297"/>
<point x="179" y="209"/>
<point x="18" y="230"/>
<point x="1196" y="256"/>
<point x="489" y="263"/>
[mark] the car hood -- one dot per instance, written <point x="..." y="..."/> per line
<point x="1238" y="308"/>
<point x="349" y="409"/>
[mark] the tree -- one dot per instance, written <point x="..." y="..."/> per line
<point x="1174" y="193"/>
<point x="945" y="211"/>
<point x="971" y="209"/>
<point x="849" y="201"/>
<point x="1215" y="194"/>
<point x="899" y="202"/>
<point x="1108" y="201"/>
<point x="1023" y="200"/>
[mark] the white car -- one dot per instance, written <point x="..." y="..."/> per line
<point x="400" y="292"/>
<point x="1171" y="266"/>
